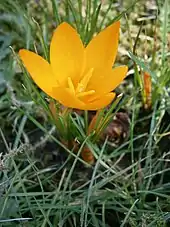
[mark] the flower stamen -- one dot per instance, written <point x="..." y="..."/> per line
<point x="82" y="94"/>
<point x="71" y="85"/>
<point x="81" y="87"/>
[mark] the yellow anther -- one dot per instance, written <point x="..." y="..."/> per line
<point x="81" y="87"/>
<point x="71" y="85"/>
<point x="82" y="94"/>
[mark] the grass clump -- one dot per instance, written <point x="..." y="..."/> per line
<point x="44" y="182"/>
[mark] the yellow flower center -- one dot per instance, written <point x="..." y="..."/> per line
<point x="80" y="90"/>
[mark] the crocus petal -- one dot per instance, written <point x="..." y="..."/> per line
<point x="100" y="103"/>
<point x="40" y="70"/>
<point x="102" y="49"/>
<point x="66" y="53"/>
<point x="105" y="81"/>
<point x="67" y="98"/>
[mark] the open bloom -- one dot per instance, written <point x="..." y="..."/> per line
<point x="77" y="76"/>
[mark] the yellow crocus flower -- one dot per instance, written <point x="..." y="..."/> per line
<point x="77" y="76"/>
